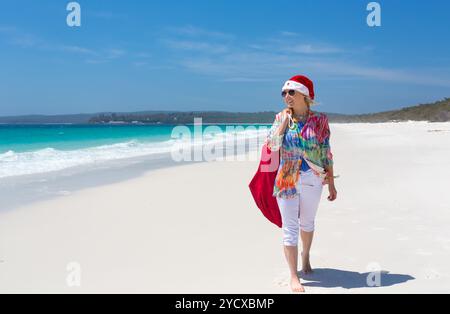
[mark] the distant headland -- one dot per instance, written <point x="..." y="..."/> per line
<point x="434" y="112"/>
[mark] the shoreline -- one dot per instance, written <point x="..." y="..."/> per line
<point x="53" y="184"/>
<point x="47" y="185"/>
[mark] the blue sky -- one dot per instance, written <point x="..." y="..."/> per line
<point x="219" y="55"/>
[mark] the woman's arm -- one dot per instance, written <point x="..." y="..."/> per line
<point x="327" y="159"/>
<point x="330" y="175"/>
<point x="330" y="181"/>
<point x="275" y="136"/>
<point x="324" y="135"/>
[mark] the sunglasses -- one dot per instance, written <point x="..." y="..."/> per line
<point x="290" y="92"/>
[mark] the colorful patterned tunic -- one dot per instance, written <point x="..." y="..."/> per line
<point x="310" y="143"/>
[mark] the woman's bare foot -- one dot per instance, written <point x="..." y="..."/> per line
<point x="296" y="286"/>
<point x="306" y="265"/>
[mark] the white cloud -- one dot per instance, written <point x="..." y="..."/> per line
<point x="379" y="73"/>
<point x="193" y="31"/>
<point x="196" y="46"/>
<point x="78" y="49"/>
<point x="18" y="38"/>
<point x="311" y="49"/>
<point x="288" y="34"/>
<point x="25" y="41"/>
<point x="106" y="56"/>
<point x="115" y="53"/>
<point x="272" y="57"/>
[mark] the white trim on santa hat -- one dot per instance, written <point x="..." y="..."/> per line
<point x="299" y="87"/>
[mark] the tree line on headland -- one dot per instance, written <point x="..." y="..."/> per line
<point x="435" y="112"/>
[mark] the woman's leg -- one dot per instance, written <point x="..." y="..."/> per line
<point x="291" y="253"/>
<point x="289" y="213"/>
<point x="307" y="238"/>
<point x="311" y="192"/>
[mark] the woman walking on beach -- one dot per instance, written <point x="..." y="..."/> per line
<point x="303" y="139"/>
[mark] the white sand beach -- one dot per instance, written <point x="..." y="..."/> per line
<point x="195" y="228"/>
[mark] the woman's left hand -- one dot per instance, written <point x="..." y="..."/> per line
<point x="332" y="191"/>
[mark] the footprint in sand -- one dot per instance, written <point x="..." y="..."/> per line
<point x="281" y="281"/>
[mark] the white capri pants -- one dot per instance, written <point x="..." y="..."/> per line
<point x="300" y="212"/>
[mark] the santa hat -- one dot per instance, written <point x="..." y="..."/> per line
<point x="301" y="84"/>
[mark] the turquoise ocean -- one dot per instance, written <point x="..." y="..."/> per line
<point x="30" y="149"/>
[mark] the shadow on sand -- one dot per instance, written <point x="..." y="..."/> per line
<point x="332" y="278"/>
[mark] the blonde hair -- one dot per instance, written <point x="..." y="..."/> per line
<point x="309" y="101"/>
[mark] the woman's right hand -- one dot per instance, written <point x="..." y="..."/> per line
<point x="284" y="120"/>
<point x="285" y="115"/>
